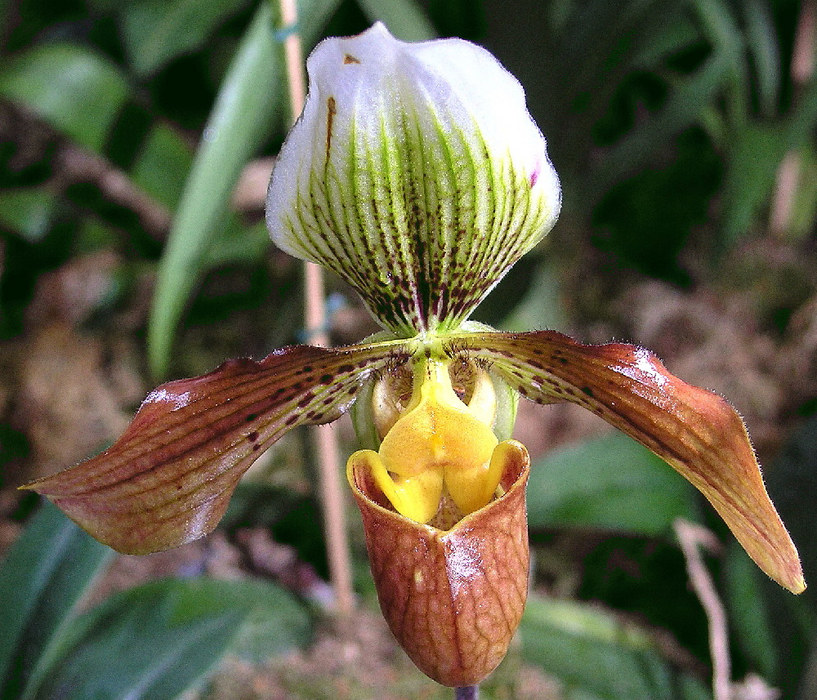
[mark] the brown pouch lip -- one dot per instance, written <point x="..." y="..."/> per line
<point x="452" y="598"/>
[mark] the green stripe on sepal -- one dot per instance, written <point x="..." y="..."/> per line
<point x="415" y="173"/>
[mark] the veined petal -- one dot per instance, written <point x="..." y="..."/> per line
<point x="167" y="480"/>
<point x="415" y="173"/>
<point x="453" y="598"/>
<point x="694" y="430"/>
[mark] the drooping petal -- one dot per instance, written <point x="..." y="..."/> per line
<point x="415" y="173"/>
<point x="694" y="430"/>
<point x="169" y="477"/>
<point x="452" y="598"/>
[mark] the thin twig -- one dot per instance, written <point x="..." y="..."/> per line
<point x="691" y="537"/>
<point x="469" y="692"/>
<point x="315" y="324"/>
<point x="75" y="164"/>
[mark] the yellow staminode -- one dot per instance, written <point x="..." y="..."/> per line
<point x="438" y="443"/>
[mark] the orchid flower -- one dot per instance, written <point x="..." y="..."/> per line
<point x="417" y="175"/>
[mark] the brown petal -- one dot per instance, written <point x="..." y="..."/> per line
<point x="452" y="598"/>
<point x="169" y="477"/>
<point x="694" y="430"/>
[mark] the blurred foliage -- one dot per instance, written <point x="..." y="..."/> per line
<point x="684" y="102"/>
<point x="585" y="486"/>
<point x="125" y="127"/>
<point x="155" y="640"/>
<point x="569" y="640"/>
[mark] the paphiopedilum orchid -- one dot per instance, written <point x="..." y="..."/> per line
<point x="417" y="175"/>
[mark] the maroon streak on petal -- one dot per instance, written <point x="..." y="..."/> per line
<point x="694" y="430"/>
<point x="167" y="480"/>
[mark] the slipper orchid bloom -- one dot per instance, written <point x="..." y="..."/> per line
<point x="416" y="174"/>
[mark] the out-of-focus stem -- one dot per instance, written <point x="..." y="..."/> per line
<point x="691" y="537"/>
<point x="470" y="692"/>
<point x="802" y="69"/>
<point x="293" y="57"/>
<point x="325" y="440"/>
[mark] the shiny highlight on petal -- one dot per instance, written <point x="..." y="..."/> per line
<point x="168" y="479"/>
<point x="695" y="431"/>
<point x="453" y="598"/>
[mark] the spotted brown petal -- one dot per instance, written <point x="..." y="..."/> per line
<point x="169" y="477"/>
<point x="694" y="430"/>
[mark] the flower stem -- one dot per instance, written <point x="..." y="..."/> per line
<point x="469" y="692"/>
<point x="326" y="447"/>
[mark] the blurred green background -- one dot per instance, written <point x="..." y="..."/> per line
<point x="136" y="140"/>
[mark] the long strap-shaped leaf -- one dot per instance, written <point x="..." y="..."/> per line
<point x="694" y="430"/>
<point x="169" y="477"/>
<point x="244" y="114"/>
<point x="43" y="576"/>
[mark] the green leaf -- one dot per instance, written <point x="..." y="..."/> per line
<point x="47" y="570"/>
<point x="72" y="88"/>
<point x="156" y="31"/>
<point x="755" y="151"/>
<point x="161" y="639"/>
<point x="728" y="44"/>
<point x="597" y="656"/>
<point x="761" y="40"/>
<point x="749" y="613"/>
<point x="801" y="121"/>
<point x="652" y="238"/>
<point x="238" y="243"/>
<point x="246" y="110"/>
<point x="663" y="42"/>
<point x="805" y="203"/>
<point x="541" y="307"/>
<point x="27" y="212"/>
<point x="275" y="623"/>
<point x="610" y="483"/>
<point x="162" y="165"/>
<point x="259" y="503"/>
<point x="404" y="18"/>
<point x="685" y="105"/>
<point x="243" y="115"/>
<point x="463" y="18"/>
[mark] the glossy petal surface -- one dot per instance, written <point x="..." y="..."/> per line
<point x="415" y="173"/>
<point x="453" y="598"/>
<point x="169" y="477"/>
<point x="694" y="430"/>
